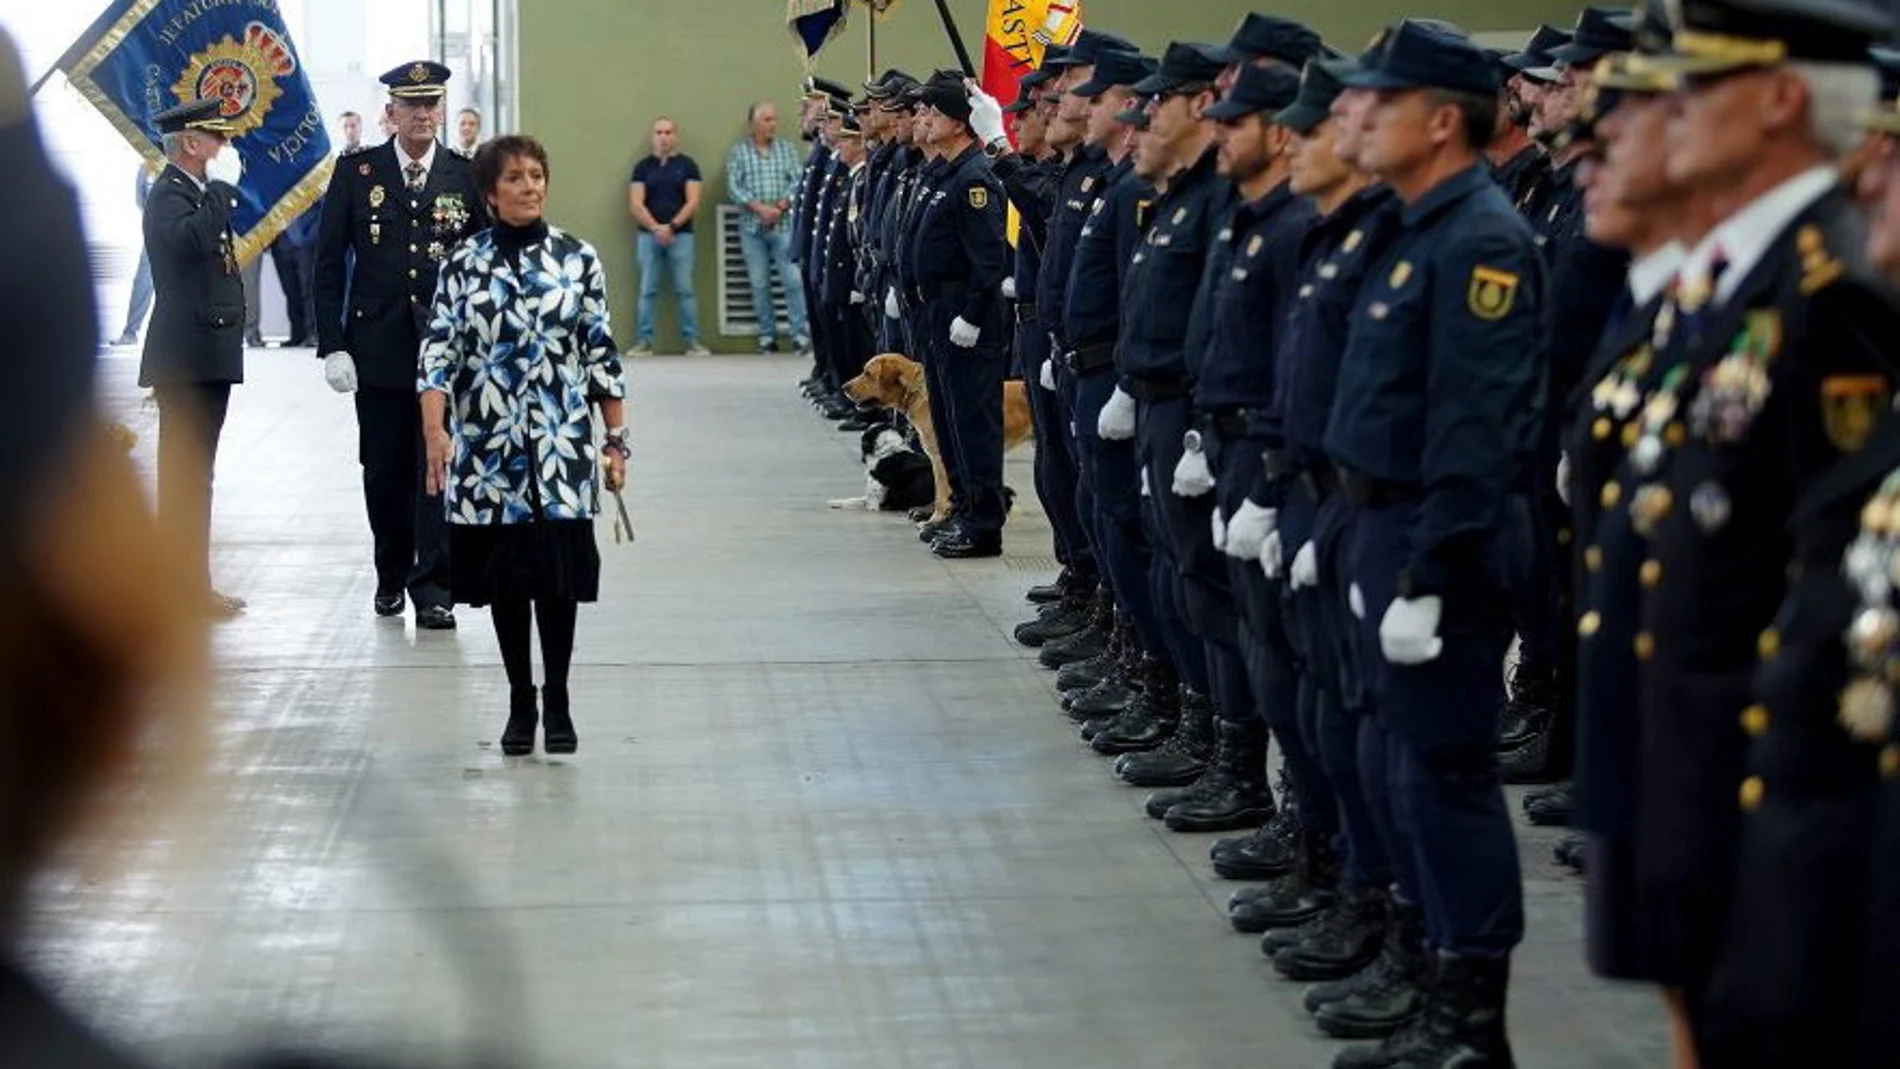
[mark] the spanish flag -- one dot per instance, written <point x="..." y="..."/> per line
<point x="1017" y="33"/>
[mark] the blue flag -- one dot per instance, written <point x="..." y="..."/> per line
<point x="813" y="24"/>
<point x="143" y="56"/>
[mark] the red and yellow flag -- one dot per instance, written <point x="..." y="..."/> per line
<point x="1015" y="36"/>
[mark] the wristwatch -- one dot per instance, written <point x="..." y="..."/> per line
<point x="618" y="440"/>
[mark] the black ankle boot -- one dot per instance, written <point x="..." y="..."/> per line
<point x="1180" y="760"/>
<point x="1461" y="1023"/>
<point x="1385" y="997"/>
<point x="1058" y="620"/>
<point x="1346" y="939"/>
<point x="1079" y="676"/>
<point x="517" y="739"/>
<point x="1233" y="792"/>
<point x="1272" y="851"/>
<point x="1550" y="807"/>
<point x="1292" y="899"/>
<point x="1091" y="640"/>
<point x="1149" y="720"/>
<point x="558" y="734"/>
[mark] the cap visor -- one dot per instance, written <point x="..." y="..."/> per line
<point x="1542" y="74"/>
<point x="1132" y="116"/>
<point x="1361" y="78"/>
<point x="1016" y="109"/>
<point x="1153" y="85"/>
<point x="1301" y="117"/>
<point x="1231" y="109"/>
<point x="1342" y="68"/>
<point x="1091" y="89"/>
<point x="1576" y="54"/>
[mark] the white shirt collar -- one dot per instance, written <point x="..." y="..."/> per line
<point x="1746" y="236"/>
<point x="403" y="160"/>
<point x="1650" y="274"/>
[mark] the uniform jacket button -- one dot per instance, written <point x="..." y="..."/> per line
<point x="1769" y="644"/>
<point x="1751" y="793"/>
<point x="1755" y="721"/>
<point x="1588" y="624"/>
<point x="1890" y="762"/>
<point x="1645" y="645"/>
<point x="1612" y="493"/>
<point x="1650" y="574"/>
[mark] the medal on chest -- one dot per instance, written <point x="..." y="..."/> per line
<point x="1735" y="389"/>
<point x="1872" y="566"/>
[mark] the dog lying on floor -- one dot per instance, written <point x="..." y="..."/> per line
<point x="896" y="382"/>
<point x="896" y="476"/>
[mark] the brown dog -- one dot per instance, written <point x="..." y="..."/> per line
<point x="894" y="381"/>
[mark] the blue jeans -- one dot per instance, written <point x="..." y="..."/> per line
<point x="141" y="302"/>
<point x="765" y="249"/>
<point x="676" y="260"/>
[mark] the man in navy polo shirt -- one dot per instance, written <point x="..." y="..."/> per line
<point x="663" y="196"/>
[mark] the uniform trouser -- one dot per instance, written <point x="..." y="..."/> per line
<point x="1055" y="464"/>
<point x="822" y="325"/>
<point x="1289" y="679"/>
<point x="1330" y="629"/>
<point x="296" y="286"/>
<point x="848" y="339"/>
<point x="1113" y="476"/>
<point x="1432" y="741"/>
<point x="1186" y="560"/>
<point x="190" y="423"/>
<point x="408" y="527"/>
<point x="971" y="408"/>
<point x="1537" y="603"/>
<point x="1067" y="387"/>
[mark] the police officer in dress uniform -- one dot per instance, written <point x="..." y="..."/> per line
<point x="1774" y="327"/>
<point x="837" y="282"/>
<point x="194" y="349"/>
<point x="1800" y="978"/>
<point x="391" y="215"/>
<point x="1439" y="528"/>
<point x="956" y="260"/>
<point x="814" y="218"/>
<point x="887" y="191"/>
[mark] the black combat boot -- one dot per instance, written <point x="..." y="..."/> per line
<point x="1181" y="759"/>
<point x="1569" y="852"/>
<point x="1081" y="645"/>
<point x="1462" y="1024"/>
<point x="1529" y="702"/>
<point x="557" y="725"/>
<point x="1148" y="721"/>
<point x="1063" y="618"/>
<point x="1550" y="807"/>
<point x="517" y="739"/>
<point x="1346" y="939"/>
<point x="1530" y="749"/>
<point x="1386" y="996"/>
<point x="1292" y="899"/>
<point x="1077" y="678"/>
<point x="1270" y="852"/>
<point x="1233" y="793"/>
<point x="1069" y="579"/>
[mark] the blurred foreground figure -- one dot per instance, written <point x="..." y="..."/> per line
<point x="102" y="628"/>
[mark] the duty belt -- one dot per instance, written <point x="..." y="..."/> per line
<point x="1025" y="311"/>
<point x="1153" y="388"/>
<point x="1276" y="463"/>
<point x="1090" y="359"/>
<point x="1320" y="479"/>
<point x="921" y="295"/>
<point x="1371" y="492"/>
<point x="1231" y="424"/>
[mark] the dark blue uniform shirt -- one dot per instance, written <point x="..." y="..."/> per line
<point x="1441" y="388"/>
<point x="1164" y="275"/>
<point x="1091" y="310"/>
<point x="1082" y="183"/>
<point x="804" y="202"/>
<point x="904" y="215"/>
<point x="959" y="244"/>
<point x="1249" y="303"/>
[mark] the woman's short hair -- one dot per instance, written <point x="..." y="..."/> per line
<point x="492" y="159"/>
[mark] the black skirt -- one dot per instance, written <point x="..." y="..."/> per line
<point x="552" y="559"/>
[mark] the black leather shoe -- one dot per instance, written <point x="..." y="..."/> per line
<point x="1057" y="621"/>
<point x="1183" y="758"/>
<point x="557" y="722"/>
<point x="854" y="423"/>
<point x="435" y="618"/>
<point x="928" y="533"/>
<point x="1117" y="660"/>
<point x="1287" y="902"/>
<point x="1065" y="581"/>
<point x="1148" y="721"/>
<point x="920" y="513"/>
<point x="388" y="604"/>
<point x="1387" y="995"/>
<point x="1346" y="939"/>
<point x="1462" y="1020"/>
<point x="965" y="544"/>
<point x="1549" y="808"/>
<point x="1270" y="852"/>
<point x="1233" y="793"/>
<point x="1569" y="852"/>
<point x="1090" y="641"/>
<point x="517" y="739"/>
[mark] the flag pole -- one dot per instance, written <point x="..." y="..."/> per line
<point x="870" y="44"/>
<point x="956" y="39"/>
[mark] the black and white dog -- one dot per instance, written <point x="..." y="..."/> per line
<point x="896" y="473"/>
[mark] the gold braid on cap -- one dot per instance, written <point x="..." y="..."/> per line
<point x="1734" y="51"/>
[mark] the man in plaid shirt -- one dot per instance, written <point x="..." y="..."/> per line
<point x="761" y="172"/>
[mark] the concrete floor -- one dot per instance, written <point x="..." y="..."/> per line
<point x="825" y="812"/>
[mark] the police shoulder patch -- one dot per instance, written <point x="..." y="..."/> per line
<point x="1491" y="293"/>
<point x="979" y="197"/>
<point x="1850" y="404"/>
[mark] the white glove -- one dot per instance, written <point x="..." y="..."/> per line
<point x="1563" y="477"/>
<point x="1117" y="421"/>
<point x="1009" y="287"/>
<point x="1271" y="550"/>
<point x="227" y="167"/>
<point x="1048" y="379"/>
<point x="339" y="370"/>
<point x="856" y="297"/>
<point x="1249" y="529"/>
<point x="986" y="116"/>
<point x="1356" y="602"/>
<point x="1192" y="477"/>
<point x="1409" y="632"/>
<point x="963" y="335"/>
<point x="1305" y="567"/>
<point x="891" y="307"/>
<point x="1145" y="491"/>
<point x="1220" y="530"/>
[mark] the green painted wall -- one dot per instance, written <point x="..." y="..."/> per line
<point x="594" y="74"/>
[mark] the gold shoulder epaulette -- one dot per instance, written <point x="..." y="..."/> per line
<point x="1819" y="267"/>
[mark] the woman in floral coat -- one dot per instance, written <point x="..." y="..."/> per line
<point x="517" y="359"/>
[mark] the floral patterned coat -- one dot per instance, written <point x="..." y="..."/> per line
<point x="521" y="354"/>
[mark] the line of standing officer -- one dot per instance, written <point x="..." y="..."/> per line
<point x="391" y="215"/>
